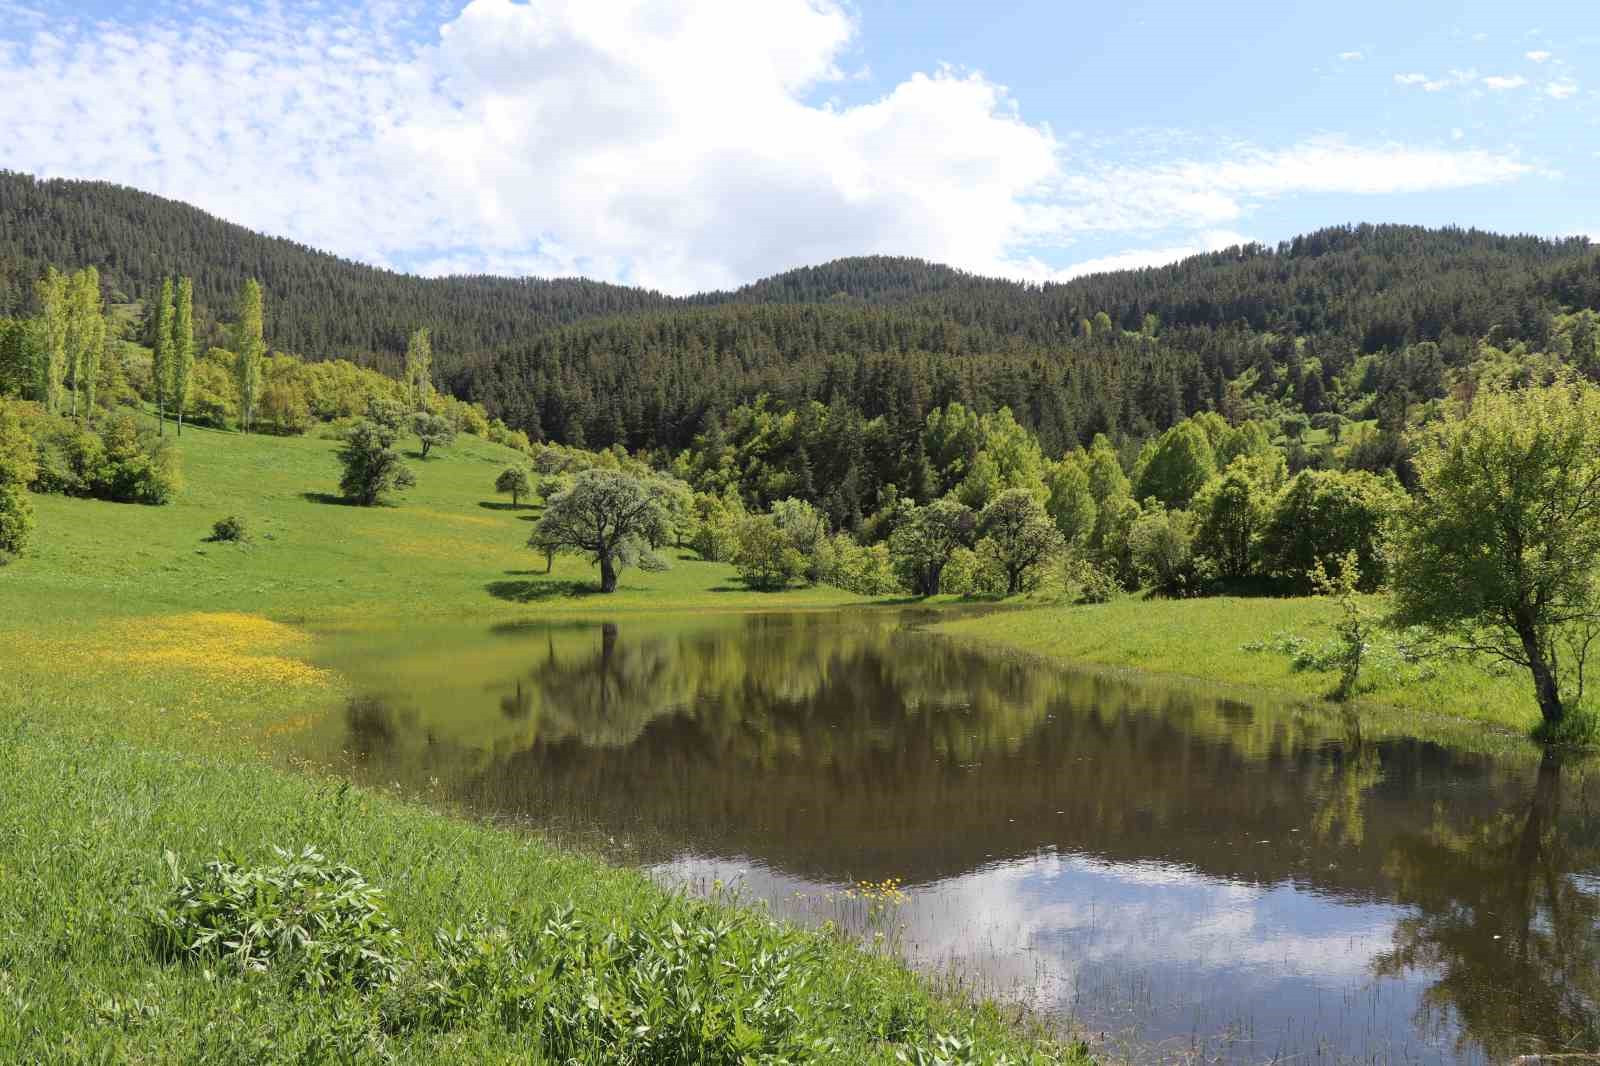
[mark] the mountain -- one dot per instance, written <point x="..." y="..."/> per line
<point x="1126" y="352"/>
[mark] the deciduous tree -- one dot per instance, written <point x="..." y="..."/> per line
<point x="613" y="516"/>
<point x="1499" y="552"/>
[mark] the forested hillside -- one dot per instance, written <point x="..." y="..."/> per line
<point x="1341" y="321"/>
<point x="319" y="305"/>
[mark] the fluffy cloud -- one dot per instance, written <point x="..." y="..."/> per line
<point x="1536" y="57"/>
<point x="1139" y="258"/>
<point x="1560" y="90"/>
<point x="1351" y="57"/>
<point x="1410" y="79"/>
<point x="1500" y="83"/>
<point x="680" y="144"/>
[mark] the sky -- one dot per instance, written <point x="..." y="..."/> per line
<point x="687" y="145"/>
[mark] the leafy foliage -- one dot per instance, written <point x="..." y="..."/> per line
<point x="319" y="920"/>
<point x="372" y="468"/>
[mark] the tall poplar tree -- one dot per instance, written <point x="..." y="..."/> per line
<point x="50" y="337"/>
<point x="419" y="369"/>
<point x="161" y="354"/>
<point x="251" y="346"/>
<point x="86" y="337"/>
<point x="182" y="347"/>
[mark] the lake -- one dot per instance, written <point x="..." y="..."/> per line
<point x="1178" y="872"/>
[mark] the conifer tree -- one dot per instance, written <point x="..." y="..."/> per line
<point x="419" y="369"/>
<point x="161" y="354"/>
<point x="50" y="339"/>
<point x="182" y="347"/>
<point x="251" y="346"/>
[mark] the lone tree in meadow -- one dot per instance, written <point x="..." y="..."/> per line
<point x="372" y="467"/>
<point x="433" y="431"/>
<point x="1499" y="551"/>
<point x="615" y="517"/>
<point x="514" y="480"/>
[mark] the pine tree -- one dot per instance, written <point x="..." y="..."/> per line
<point x="182" y="347"/>
<point x="251" y="346"/>
<point x="419" y="369"/>
<point x="161" y="354"/>
<point x="51" y="336"/>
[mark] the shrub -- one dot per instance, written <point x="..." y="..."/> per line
<point x="765" y="556"/>
<point x="1162" y="546"/>
<point x="121" y="462"/>
<point x="320" y="920"/>
<point x="16" y="520"/>
<point x="230" y="530"/>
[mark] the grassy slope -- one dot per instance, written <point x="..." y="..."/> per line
<point x="1205" y="639"/>
<point x="143" y="671"/>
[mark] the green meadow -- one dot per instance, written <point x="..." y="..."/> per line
<point x="148" y="674"/>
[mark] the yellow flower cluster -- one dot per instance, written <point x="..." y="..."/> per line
<point x="227" y="645"/>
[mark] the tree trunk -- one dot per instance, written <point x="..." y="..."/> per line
<point x="1544" y="678"/>
<point x="608" y="572"/>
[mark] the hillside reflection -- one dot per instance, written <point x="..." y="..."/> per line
<point x="820" y="749"/>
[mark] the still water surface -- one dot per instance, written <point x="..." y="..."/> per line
<point x="1179" y="872"/>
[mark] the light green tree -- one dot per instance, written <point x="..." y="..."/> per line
<point x="514" y="481"/>
<point x="86" y="337"/>
<point x="249" y="347"/>
<point x="419" y="369"/>
<point x="1499" y="550"/>
<point x="50" y="336"/>
<point x="1018" y="537"/>
<point x="182" y="375"/>
<point x="1071" y="504"/>
<point x="161" y="346"/>
<point x="1180" y="465"/>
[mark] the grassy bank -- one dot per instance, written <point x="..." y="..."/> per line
<point x="145" y="675"/>
<point x="1249" y="643"/>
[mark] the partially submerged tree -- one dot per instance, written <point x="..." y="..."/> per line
<point x="372" y="467"/>
<point x="1499" y="551"/>
<point x="514" y="481"/>
<point x="615" y="517"/>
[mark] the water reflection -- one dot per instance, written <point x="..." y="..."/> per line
<point x="1183" y="869"/>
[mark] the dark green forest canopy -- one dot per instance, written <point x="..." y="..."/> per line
<point x="1127" y="353"/>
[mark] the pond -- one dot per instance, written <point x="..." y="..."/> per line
<point x="1178" y="872"/>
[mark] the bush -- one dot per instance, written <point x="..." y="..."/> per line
<point x="230" y="530"/>
<point x="121" y="462"/>
<point x="372" y="468"/>
<point x="1162" y="546"/>
<point x="16" y="521"/>
<point x="764" y="555"/>
<point x="319" y="920"/>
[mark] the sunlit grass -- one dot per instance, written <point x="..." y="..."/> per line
<point x="1208" y="640"/>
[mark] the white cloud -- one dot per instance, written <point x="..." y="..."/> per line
<point x="1536" y="56"/>
<point x="1457" y="133"/>
<point x="1410" y="79"/>
<point x="1560" y="90"/>
<point x="670" y="144"/>
<point x="1350" y="57"/>
<point x="1500" y="83"/>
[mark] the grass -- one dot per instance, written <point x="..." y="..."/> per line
<point x="1238" y="642"/>
<point x="146" y="672"/>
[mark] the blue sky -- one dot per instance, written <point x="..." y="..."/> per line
<point x="688" y="144"/>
